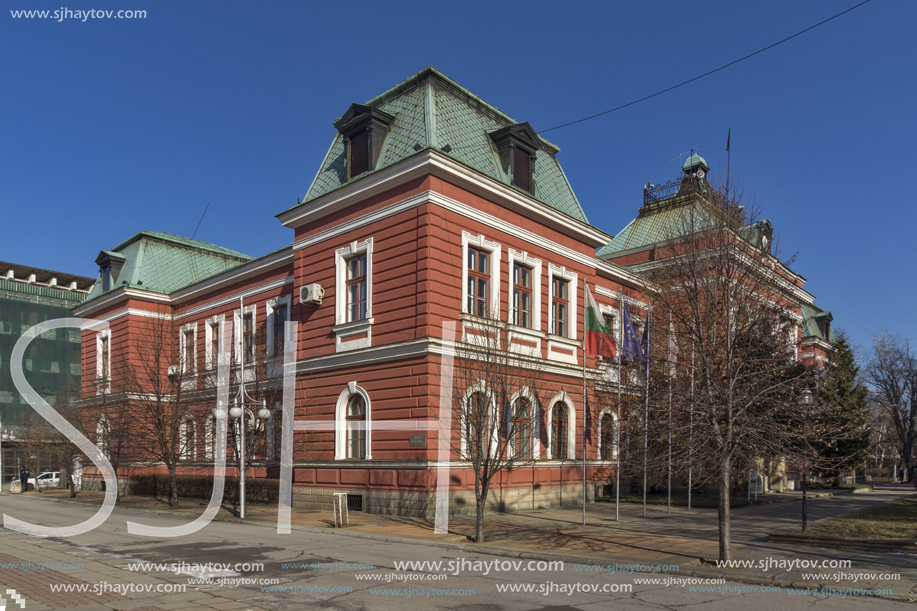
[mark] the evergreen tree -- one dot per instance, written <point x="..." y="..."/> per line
<point x="844" y="440"/>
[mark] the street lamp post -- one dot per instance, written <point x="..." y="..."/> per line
<point x="806" y="399"/>
<point x="238" y="411"/>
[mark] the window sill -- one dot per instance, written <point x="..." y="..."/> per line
<point x="103" y="386"/>
<point x="189" y="381"/>
<point x="353" y="335"/>
<point x="563" y="349"/>
<point x="524" y="340"/>
<point x="609" y="370"/>
<point x="479" y="331"/>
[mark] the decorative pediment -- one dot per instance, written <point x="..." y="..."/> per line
<point x="520" y="134"/>
<point x="359" y="117"/>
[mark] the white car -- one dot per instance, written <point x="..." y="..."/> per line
<point x="48" y="479"/>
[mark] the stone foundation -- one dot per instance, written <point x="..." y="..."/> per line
<point x="422" y="504"/>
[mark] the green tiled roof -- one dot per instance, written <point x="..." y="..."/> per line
<point x="163" y="262"/>
<point x="433" y="111"/>
<point x="655" y="228"/>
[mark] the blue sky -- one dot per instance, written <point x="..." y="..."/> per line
<point x="114" y="126"/>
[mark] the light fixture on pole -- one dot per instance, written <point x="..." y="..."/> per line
<point x="805" y="399"/>
<point x="241" y="400"/>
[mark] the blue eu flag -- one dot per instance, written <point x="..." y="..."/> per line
<point x="631" y="344"/>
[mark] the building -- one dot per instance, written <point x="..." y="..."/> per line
<point x="430" y="207"/>
<point x="51" y="364"/>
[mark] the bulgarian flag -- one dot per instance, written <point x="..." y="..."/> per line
<point x="599" y="339"/>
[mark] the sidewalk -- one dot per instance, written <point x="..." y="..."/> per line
<point x="678" y="542"/>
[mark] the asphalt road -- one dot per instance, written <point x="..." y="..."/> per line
<point x="339" y="570"/>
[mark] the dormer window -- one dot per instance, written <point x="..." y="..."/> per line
<point x="110" y="264"/>
<point x="516" y="146"/>
<point x="364" y="129"/>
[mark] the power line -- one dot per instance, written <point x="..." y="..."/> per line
<point x="696" y="78"/>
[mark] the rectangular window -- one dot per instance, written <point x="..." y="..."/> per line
<point x="103" y="350"/>
<point x="359" y="153"/>
<point x="280" y="318"/>
<point x="356" y="288"/>
<point x="248" y="336"/>
<point x="522" y="296"/>
<point x="188" y="356"/>
<point x="559" y="306"/>
<point x="214" y="344"/>
<point x="478" y="282"/>
<point x="609" y="320"/>
<point x="522" y="170"/>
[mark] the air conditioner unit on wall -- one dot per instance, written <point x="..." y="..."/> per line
<point x="311" y="294"/>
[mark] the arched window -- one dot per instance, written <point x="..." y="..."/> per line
<point x="209" y="437"/>
<point x="102" y="435"/>
<point x="353" y="418"/>
<point x="608" y="435"/>
<point x="521" y="428"/>
<point x="559" y="430"/>
<point x="356" y="431"/>
<point x="187" y="439"/>
<point x="476" y="426"/>
<point x="272" y="430"/>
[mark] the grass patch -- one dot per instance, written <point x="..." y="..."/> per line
<point x="895" y="520"/>
<point x="841" y="487"/>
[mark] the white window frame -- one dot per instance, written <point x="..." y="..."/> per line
<point x="479" y="387"/>
<point x="271" y="307"/>
<point x="340" y="419"/>
<point x="103" y="384"/>
<point x="237" y="329"/>
<point x="103" y="432"/>
<point x="343" y="329"/>
<point x="187" y="439"/>
<point x="210" y="429"/>
<point x="564" y="348"/>
<point x="495" y="250"/>
<point x="270" y="432"/>
<point x="535" y="422"/>
<point x="616" y="431"/>
<point x="612" y="374"/>
<point x="563" y="398"/>
<point x="182" y="340"/>
<point x="532" y="335"/>
<point x="213" y="323"/>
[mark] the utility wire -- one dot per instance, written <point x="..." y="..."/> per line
<point x="205" y="212"/>
<point x="696" y="78"/>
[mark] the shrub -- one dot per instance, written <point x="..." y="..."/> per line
<point x="201" y="487"/>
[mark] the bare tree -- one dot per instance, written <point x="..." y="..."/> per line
<point x="497" y="391"/>
<point x="109" y="423"/>
<point x="726" y="299"/>
<point x="891" y="369"/>
<point x="44" y="444"/>
<point x="154" y="384"/>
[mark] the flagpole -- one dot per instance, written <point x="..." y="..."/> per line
<point x="728" y="159"/>
<point x="691" y="431"/>
<point x="620" y="349"/>
<point x="646" y="409"/>
<point x="672" y="365"/>
<point x="585" y="402"/>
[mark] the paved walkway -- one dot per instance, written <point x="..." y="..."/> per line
<point x="679" y="542"/>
